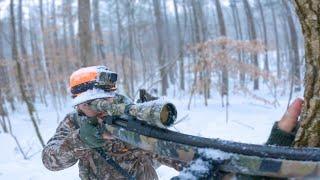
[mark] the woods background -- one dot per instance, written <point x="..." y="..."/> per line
<point x="178" y="47"/>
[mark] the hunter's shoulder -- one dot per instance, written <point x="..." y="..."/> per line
<point x="71" y="120"/>
<point x="71" y="115"/>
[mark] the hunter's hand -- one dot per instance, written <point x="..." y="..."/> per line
<point x="100" y="104"/>
<point x="89" y="133"/>
<point x="290" y="119"/>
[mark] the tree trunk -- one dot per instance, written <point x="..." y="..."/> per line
<point x="276" y="36"/>
<point x="294" y="49"/>
<point x="265" y="39"/>
<point x="45" y="61"/>
<point x="70" y="19"/>
<point x="180" y="44"/>
<point x="237" y="25"/>
<point x="20" y="76"/>
<point x="121" y="48"/>
<point x="222" y="29"/>
<point x="130" y="16"/>
<point x="160" y="48"/>
<point x="24" y="54"/>
<point x="101" y="55"/>
<point x="86" y="54"/>
<point x="168" y="50"/>
<point x="113" y="46"/>
<point x="309" y="16"/>
<point x="252" y="37"/>
<point x="4" y="78"/>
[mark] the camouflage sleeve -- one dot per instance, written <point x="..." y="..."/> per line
<point x="64" y="148"/>
<point x="176" y="164"/>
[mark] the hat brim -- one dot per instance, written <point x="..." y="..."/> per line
<point x="91" y="95"/>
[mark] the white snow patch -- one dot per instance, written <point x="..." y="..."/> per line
<point x="214" y="154"/>
<point x="198" y="166"/>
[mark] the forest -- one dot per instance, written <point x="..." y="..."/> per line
<point x="201" y="51"/>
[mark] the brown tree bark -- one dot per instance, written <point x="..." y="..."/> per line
<point x="237" y="25"/>
<point x="160" y="48"/>
<point x="180" y="44"/>
<point x="131" y="26"/>
<point x="71" y="31"/>
<point x="222" y="29"/>
<point x="121" y="47"/>
<point x="252" y="36"/>
<point x="265" y="39"/>
<point x="86" y="53"/>
<point x="98" y="33"/>
<point x="24" y="54"/>
<point x="309" y="15"/>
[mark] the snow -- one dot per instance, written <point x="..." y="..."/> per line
<point x="249" y="121"/>
<point x="214" y="154"/>
<point x="200" y="167"/>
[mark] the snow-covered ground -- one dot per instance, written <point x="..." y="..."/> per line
<point x="250" y="121"/>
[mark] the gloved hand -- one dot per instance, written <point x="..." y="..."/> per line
<point x="109" y="107"/>
<point x="89" y="133"/>
<point x="101" y="104"/>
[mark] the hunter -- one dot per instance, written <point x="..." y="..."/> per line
<point x="81" y="135"/>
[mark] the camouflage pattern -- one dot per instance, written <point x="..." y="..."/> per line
<point x="65" y="149"/>
<point x="153" y="112"/>
<point x="243" y="164"/>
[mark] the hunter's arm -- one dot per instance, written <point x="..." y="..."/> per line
<point x="279" y="137"/>
<point x="64" y="148"/>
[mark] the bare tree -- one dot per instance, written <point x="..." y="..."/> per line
<point x="160" y="48"/>
<point x="70" y="21"/>
<point x="97" y="28"/>
<point x="131" y="27"/>
<point x="252" y="36"/>
<point x="20" y="77"/>
<point x="121" y="47"/>
<point x="180" y="44"/>
<point x="225" y="74"/>
<point x="237" y="25"/>
<point x="293" y="49"/>
<point x="86" y="52"/>
<point x="265" y="39"/>
<point x="276" y="36"/>
<point x="23" y="52"/>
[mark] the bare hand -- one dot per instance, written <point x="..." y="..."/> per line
<point x="290" y="119"/>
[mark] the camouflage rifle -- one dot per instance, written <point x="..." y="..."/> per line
<point x="147" y="130"/>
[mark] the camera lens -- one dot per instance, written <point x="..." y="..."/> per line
<point x="113" y="77"/>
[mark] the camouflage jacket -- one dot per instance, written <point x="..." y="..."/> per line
<point x="65" y="149"/>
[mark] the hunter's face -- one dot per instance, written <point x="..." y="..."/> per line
<point x="86" y="109"/>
